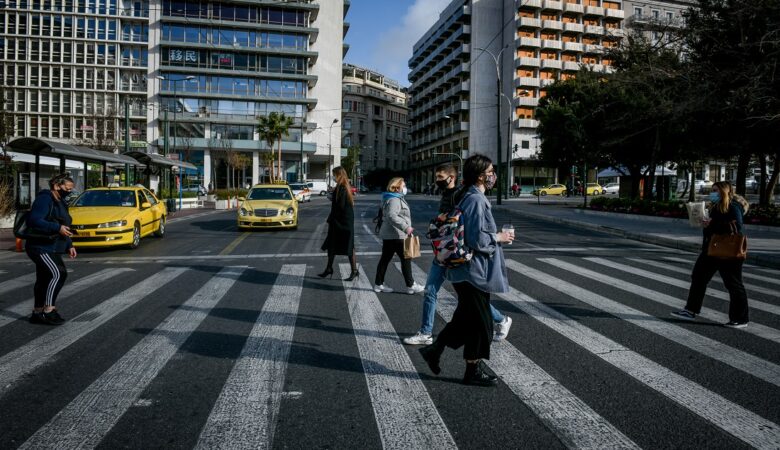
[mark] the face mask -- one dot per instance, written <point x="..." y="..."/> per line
<point x="714" y="197"/>
<point x="490" y="181"/>
<point x="403" y="190"/>
<point x="443" y="184"/>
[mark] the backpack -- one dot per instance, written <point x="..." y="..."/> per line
<point x="23" y="231"/>
<point x="446" y="234"/>
<point x="378" y="219"/>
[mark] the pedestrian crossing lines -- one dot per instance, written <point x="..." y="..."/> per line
<point x="247" y="401"/>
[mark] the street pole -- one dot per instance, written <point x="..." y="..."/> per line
<point x="330" y="151"/>
<point x="498" y="166"/>
<point x="300" y="169"/>
<point x="127" y="141"/>
<point x="175" y="132"/>
<point x="166" y="134"/>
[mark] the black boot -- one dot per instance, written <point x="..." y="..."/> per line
<point x="477" y="374"/>
<point x="432" y="354"/>
<point x="352" y="275"/>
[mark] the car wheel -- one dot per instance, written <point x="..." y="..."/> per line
<point x="543" y="193"/>
<point x="136" y="236"/>
<point x="323" y="193"/>
<point x="161" y="229"/>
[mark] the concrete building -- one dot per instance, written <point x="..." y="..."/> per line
<point x="203" y="70"/>
<point x="375" y="119"/>
<point x="655" y="16"/>
<point x="530" y="43"/>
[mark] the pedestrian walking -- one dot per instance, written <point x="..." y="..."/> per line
<point x="726" y="210"/>
<point x="446" y="181"/>
<point x="396" y="225"/>
<point x="49" y="218"/>
<point x="515" y="190"/>
<point x="341" y="225"/>
<point x="471" y="326"/>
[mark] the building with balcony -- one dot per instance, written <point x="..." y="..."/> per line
<point x="654" y="17"/>
<point x="374" y="119"/>
<point x="195" y="75"/>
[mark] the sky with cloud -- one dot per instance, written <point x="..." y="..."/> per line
<point x="383" y="32"/>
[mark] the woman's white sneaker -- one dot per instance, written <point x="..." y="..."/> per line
<point x="382" y="288"/>
<point x="414" y="289"/>
<point x="419" y="339"/>
<point x="502" y="329"/>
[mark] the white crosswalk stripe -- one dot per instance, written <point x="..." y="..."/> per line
<point x="246" y="411"/>
<point x="22" y="309"/>
<point x="31" y="355"/>
<point x="731" y="356"/>
<point x="573" y="421"/>
<point x="17" y="283"/>
<point x="404" y="412"/>
<point x="730" y="417"/>
<point x="91" y="415"/>
<point x="772" y="280"/>
<point x="750" y="287"/>
<point x="763" y="306"/>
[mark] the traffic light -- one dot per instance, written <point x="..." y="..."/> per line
<point x="574" y="170"/>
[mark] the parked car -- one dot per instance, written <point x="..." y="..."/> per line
<point x="318" y="187"/>
<point x="703" y="186"/>
<point x="268" y="206"/>
<point x="301" y="192"/>
<point x="595" y="189"/>
<point x="553" y="189"/>
<point x="612" y="188"/>
<point x="113" y="216"/>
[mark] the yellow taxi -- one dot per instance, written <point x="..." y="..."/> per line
<point x="268" y="206"/>
<point x="595" y="189"/>
<point x="112" y="216"/>
<point x="553" y="189"/>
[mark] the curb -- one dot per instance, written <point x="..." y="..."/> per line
<point x="748" y="226"/>
<point x="758" y="260"/>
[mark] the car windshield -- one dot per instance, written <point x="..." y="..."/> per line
<point x="269" y="194"/>
<point x="107" y="198"/>
<point x="297" y="187"/>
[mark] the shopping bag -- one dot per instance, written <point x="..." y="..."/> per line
<point x="728" y="246"/>
<point x="412" y="247"/>
<point x="697" y="214"/>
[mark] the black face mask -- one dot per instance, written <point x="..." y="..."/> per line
<point x="443" y="184"/>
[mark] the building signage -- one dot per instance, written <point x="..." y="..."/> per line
<point x="177" y="55"/>
<point x="225" y="58"/>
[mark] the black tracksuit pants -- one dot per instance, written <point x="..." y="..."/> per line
<point x="731" y="273"/>
<point x="50" y="277"/>
<point x="392" y="247"/>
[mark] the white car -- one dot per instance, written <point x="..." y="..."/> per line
<point x="301" y="192"/>
<point x="612" y="188"/>
<point x="318" y="187"/>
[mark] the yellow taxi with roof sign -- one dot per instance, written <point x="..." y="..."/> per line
<point x="268" y="206"/>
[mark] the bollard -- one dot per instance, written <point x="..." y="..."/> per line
<point x="19" y="246"/>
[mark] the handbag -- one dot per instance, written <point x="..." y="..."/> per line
<point x="411" y="247"/>
<point x="732" y="246"/>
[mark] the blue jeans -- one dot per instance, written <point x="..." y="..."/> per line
<point x="436" y="277"/>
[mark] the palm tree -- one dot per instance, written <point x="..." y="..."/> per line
<point x="271" y="129"/>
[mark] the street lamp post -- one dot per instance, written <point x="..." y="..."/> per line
<point x="499" y="183"/>
<point x="300" y="169"/>
<point x="175" y="107"/>
<point x="330" y="150"/>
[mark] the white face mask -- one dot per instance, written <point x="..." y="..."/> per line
<point x="403" y="190"/>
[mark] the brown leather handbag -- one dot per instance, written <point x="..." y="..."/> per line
<point x="732" y="246"/>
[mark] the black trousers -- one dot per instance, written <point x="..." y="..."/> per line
<point x="471" y="326"/>
<point x="731" y="273"/>
<point x="392" y="247"/>
<point x="50" y="277"/>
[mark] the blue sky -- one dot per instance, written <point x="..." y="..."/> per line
<point x="382" y="33"/>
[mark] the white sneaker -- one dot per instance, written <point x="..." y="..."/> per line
<point x="419" y="339"/>
<point x="414" y="289"/>
<point x="502" y="329"/>
<point x="382" y="288"/>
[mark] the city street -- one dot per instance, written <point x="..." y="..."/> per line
<point x="213" y="337"/>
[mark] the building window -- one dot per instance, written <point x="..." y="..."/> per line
<point x="525" y="144"/>
<point x="638" y="12"/>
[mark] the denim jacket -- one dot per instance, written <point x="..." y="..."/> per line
<point x="486" y="270"/>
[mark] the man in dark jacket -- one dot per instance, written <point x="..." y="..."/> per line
<point x="446" y="177"/>
<point x="49" y="216"/>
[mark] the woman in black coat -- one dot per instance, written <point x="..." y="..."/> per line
<point x="341" y="225"/>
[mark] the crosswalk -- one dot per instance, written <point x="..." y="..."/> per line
<point x="605" y="310"/>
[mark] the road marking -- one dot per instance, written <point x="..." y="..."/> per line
<point x="675" y="302"/>
<point x="568" y="417"/>
<point x="86" y="420"/>
<point x="372" y="234"/>
<point x="763" y="306"/>
<point x="17" y="283"/>
<point x="405" y="414"/>
<point x="744" y="275"/>
<point x="194" y="216"/>
<point x="28" y="357"/>
<point x="730" y="417"/>
<point x="23" y="308"/>
<point x="680" y="270"/>
<point x="316" y="238"/>
<point x="245" y="414"/>
<point x="232" y="246"/>
<point x="718" y="351"/>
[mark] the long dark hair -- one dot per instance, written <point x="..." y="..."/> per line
<point x="343" y="180"/>
<point x="473" y="167"/>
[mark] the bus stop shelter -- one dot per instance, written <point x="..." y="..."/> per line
<point x="158" y="165"/>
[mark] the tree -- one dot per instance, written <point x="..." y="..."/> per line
<point x="350" y="162"/>
<point x="226" y="149"/>
<point x="103" y="134"/>
<point x="271" y="129"/>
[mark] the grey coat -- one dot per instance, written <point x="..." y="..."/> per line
<point x="396" y="218"/>
<point x="486" y="270"/>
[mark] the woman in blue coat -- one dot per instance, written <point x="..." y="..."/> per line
<point x="471" y="326"/>
<point x="49" y="217"/>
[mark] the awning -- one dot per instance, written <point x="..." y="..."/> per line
<point x="612" y="172"/>
<point x="35" y="146"/>
<point x="158" y="160"/>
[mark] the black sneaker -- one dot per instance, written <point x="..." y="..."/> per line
<point x="734" y="324"/>
<point x="431" y="354"/>
<point x="37" y="317"/>
<point x="684" y="315"/>
<point x="53" y="317"/>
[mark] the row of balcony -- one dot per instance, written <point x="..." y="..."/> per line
<point x="569" y="27"/>
<point x="441" y="98"/>
<point x="439" y="50"/>
<point x="550" y="5"/>
<point x="420" y="52"/>
<point x="453" y="57"/>
<point x="441" y="134"/>
<point x="560" y="45"/>
<point x="462" y="105"/>
<point x="445" y="79"/>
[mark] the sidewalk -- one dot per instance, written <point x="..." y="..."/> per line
<point x="763" y="242"/>
<point x="8" y="241"/>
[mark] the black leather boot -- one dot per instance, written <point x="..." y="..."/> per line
<point x="432" y="354"/>
<point x="477" y="374"/>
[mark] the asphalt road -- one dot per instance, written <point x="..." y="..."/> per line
<point x="212" y="337"/>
